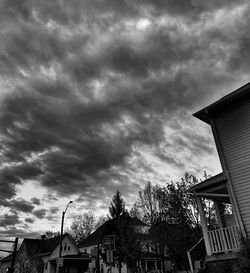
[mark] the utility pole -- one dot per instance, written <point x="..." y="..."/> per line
<point x="61" y="236"/>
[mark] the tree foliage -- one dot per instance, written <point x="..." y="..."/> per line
<point x="117" y="205"/>
<point x="28" y="259"/>
<point x="82" y="226"/>
<point x="127" y="243"/>
<point x="51" y="234"/>
<point x="172" y="213"/>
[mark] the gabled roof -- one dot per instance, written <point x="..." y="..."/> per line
<point x="205" y="113"/>
<point x="7" y="258"/>
<point x="39" y="246"/>
<point x="97" y="236"/>
<point x="48" y="245"/>
<point x="107" y="228"/>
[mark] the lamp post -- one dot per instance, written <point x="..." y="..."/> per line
<point x="61" y="235"/>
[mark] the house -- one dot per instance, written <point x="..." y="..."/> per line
<point x="5" y="263"/>
<point x="229" y="119"/>
<point x="41" y="256"/>
<point x="146" y="256"/>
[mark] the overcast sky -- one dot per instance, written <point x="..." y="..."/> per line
<point x="98" y="95"/>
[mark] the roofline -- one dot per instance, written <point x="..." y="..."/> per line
<point x="204" y="114"/>
<point x="219" y="178"/>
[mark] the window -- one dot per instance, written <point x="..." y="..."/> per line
<point x="46" y="266"/>
<point x="68" y="247"/>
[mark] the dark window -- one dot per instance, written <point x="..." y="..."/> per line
<point x="68" y="247"/>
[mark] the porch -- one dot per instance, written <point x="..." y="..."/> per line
<point x="223" y="238"/>
<point x="69" y="264"/>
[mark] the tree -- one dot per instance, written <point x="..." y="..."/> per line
<point x="117" y="205"/>
<point x="82" y="226"/>
<point x="148" y="203"/>
<point x="28" y="259"/>
<point x="128" y="247"/>
<point x="51" y="234"/>
<point x="123" y="227"/>
<point x="172" y="213"/>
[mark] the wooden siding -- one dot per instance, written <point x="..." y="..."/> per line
<point x="233" y="128"/>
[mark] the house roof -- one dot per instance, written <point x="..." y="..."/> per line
<point x="205" y="113"/>
<point x="50" y="244"/>
<point x="209" y="183"/>
<point x="39" y="246"/>
<point x="214" y="188"/>
<point x="97" y="236"/>
<point x="107" y="228"/>
<point x="7" y="258"/>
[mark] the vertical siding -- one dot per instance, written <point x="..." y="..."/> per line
<point x="233" y="127"/>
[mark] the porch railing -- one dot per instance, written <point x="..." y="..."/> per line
<point x="224" y="239"/>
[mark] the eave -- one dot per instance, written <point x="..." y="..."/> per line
<point x="206" y="113"/>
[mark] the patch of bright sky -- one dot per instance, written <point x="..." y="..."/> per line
<point x="122" y="126"/>
<point x="33" y="189"/>
<point x="97" y="88"/>
<point x="143" y="23"/>
<point x="222" y="19"/>
<point x="225" y="19"/>
<point x="29" y="190"/>
<point x="51" y="71"/>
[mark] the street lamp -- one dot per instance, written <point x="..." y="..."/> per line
<point x="61" y="235"/>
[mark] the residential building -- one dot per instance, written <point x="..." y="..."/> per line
<point x="229" y="119"/>
<point x="147" y="258"/>
<point x="41" y="256"/>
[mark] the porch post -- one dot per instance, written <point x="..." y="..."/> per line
<point x="217" y="210"/>
<point x="204" y="225"/>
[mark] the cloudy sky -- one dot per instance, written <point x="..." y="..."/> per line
<point x="98" y="95"/>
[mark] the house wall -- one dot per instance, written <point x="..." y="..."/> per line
<point x="46" y="265"/>
<point x="103" y="267"/>
<point x="68" y="248"/>
<point x="233" y="130"/>
<point x="4" y="266"/>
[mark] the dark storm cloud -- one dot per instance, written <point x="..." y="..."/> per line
<point x="40" y="213"/>
<point x="9" y="220"/>
<point x="53" y="210"/>
<point x="35" y="201"/>
<point x="19" y="232"/>
<point x="20" y="205"/>
<point x="52" y="213"/>
<point x="29" y="220"/>
<point x="8" y="184"/>
<point x="84" y="92"/>
<point x="12" y="176"/>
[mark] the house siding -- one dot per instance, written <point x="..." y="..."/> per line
<point x="233" y="129"/>
<point x="72" y="251"/>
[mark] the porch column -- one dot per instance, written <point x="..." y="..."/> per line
<point x="204" y="225"/>
<point x="217" y="210"/>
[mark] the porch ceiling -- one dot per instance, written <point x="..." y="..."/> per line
<point x="213" y="188"/>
